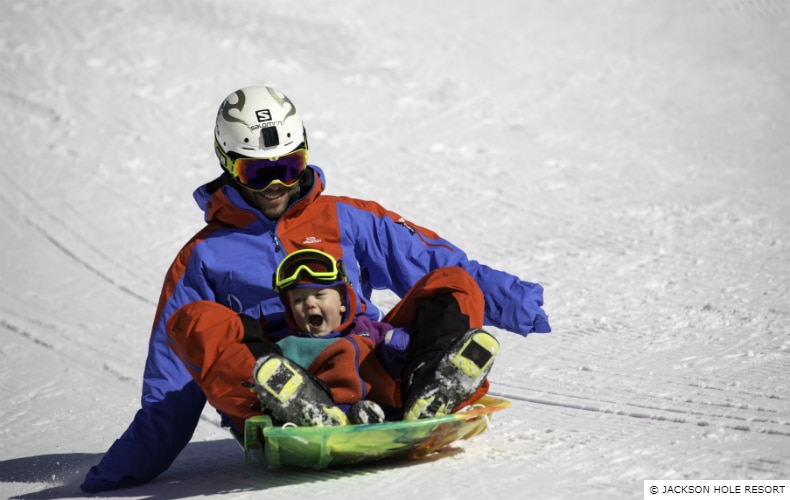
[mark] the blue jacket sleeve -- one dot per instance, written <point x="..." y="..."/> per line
<point x="396" y="253"/>
<point x="511" y="303"/>
<point x="171" y="402"/>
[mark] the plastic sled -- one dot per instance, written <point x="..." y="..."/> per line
<point x="322" y="447"/>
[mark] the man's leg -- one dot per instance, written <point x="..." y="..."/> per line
<point x="449" y="355"/>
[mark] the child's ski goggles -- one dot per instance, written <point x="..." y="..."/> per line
<point x="259" y="173"/>
<point x="311" y="265"/>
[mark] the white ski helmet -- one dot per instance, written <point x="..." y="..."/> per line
<point x="258" y="122"/>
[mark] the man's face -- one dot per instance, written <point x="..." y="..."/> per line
<point x="272" y="201"/>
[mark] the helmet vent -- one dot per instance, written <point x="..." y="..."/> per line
<point x="270" y="137"/>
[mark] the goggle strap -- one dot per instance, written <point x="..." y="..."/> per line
<point x="341" y="272"/>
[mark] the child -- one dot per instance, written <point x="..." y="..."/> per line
<point x="355" y="370"/>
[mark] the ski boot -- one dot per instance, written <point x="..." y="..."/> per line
<point x="459" y="373"/>
<point x="366" y="412"/>
<point x="293" y="395"/>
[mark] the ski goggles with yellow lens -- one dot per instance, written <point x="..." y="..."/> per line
<point x="259" y="173"/>
<point x="308" y="265"/>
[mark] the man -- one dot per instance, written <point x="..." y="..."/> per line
<point x="268" y="203"/>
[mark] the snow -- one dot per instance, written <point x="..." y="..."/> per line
<point x="631" y="156"/>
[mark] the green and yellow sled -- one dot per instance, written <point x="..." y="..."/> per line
<point x="322" y="447"/>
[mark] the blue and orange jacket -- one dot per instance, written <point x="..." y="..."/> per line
<point x="232" y="260"/>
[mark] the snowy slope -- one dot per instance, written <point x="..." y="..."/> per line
<point x="632" y="156"/>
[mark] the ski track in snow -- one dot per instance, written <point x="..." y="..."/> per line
<point x="629" y="156"/>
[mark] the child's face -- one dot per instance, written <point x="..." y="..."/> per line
<point x="317" y="311"/>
